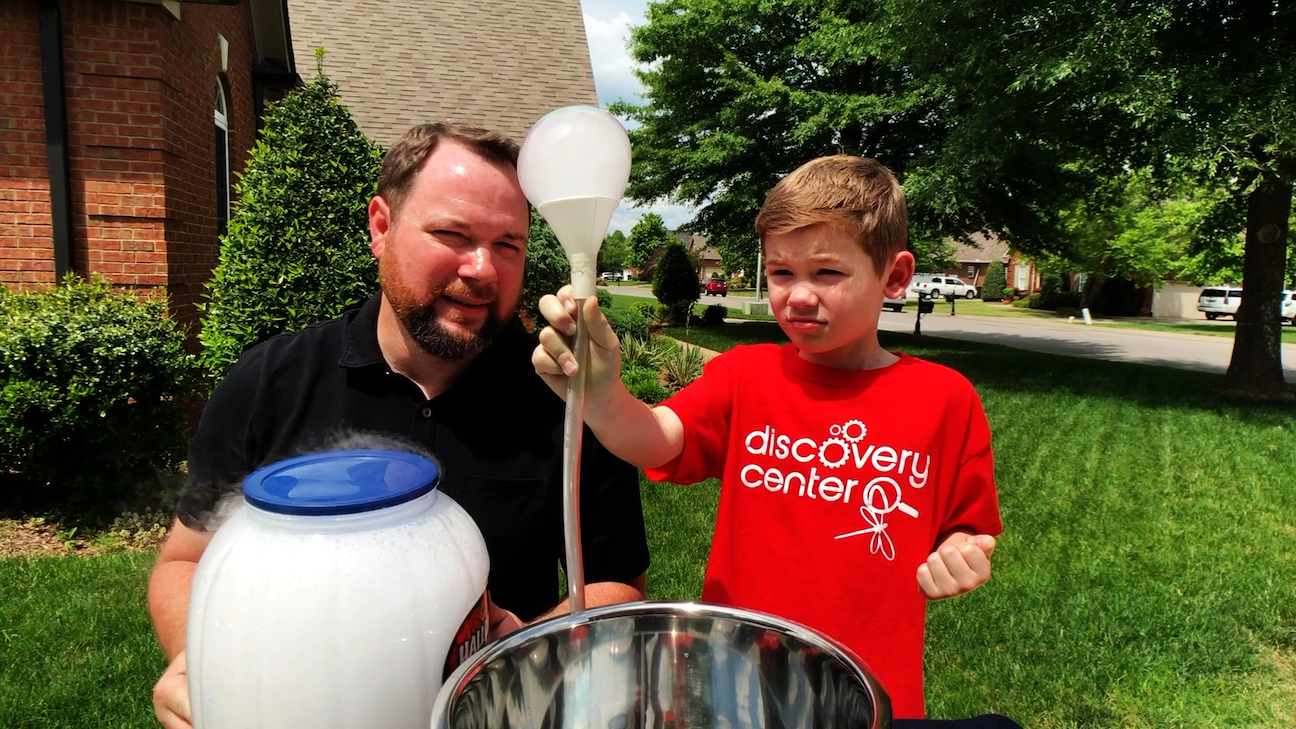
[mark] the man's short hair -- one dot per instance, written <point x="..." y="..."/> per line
<point x="856" y="194"/>
<point x="405" y="158"/>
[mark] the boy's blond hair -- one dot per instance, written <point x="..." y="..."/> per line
<point x="857" y="194"/>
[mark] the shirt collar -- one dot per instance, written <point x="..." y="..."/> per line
<point x="360" y="343"/>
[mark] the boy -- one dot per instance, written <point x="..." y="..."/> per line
<point x="857" y="483"/>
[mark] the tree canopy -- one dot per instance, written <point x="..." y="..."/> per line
<point x="998" y="117"/>
<point x="646" y="236"/>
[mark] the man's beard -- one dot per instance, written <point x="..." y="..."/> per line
<point x="422" y="323"/>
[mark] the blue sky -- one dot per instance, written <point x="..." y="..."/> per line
<point x="607" y="27"/>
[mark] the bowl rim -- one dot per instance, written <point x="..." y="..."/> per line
<point x="453" y="685"/>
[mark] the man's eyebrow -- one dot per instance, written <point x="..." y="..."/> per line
<point x="515" y="237"/>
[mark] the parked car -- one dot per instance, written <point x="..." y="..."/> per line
<point x="894" y="304"/>
<point x="714" y="287"/>
<point x="1289" y="307"/>
<point x="1217" y="301"/>
<point x="937" y="286"/>
<point x="612" y="276"/>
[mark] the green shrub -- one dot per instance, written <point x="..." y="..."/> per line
<point x="674" y="281"/>
<point x="297" y="250"/>
<point x="650" y="311"/>
<point x="996" y="281"/>
<point x="679" y="313"/>
<point x="1023" y="303"/>
<point x="547" y="267"/>
<point x="714" y="315"/>
<point x="604" y="298"/>
<point x="1118" y="297"/>
<point x="638" y="353"/>
<point x="682" y="366"/>
<point x="627" y="324"/>
<point x="1009" y="292"/>
<point x="1066" y="300"/>
<point x="1035" y="301"/>
<point x="93" y="391"/>
<point x="1050" y="289"/>
<point x="644" y="384"/>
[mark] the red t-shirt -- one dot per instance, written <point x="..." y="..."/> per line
<point x="837" y="485"/>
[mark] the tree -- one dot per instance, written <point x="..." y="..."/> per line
<point x="612" y="255"/>
<point x="996" y="281"/>
<point x="297" y="250"/>
<point x="741" y="92"/>
<point x="1190" y="91"/>
<point x="647" y="236"/>
<point x="675" y="282"/>
<point x="997" y="116"/>
<point x="1136" y="229"/>
<point x="547" y="267"/>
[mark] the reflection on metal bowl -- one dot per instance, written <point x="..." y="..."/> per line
<point x="655" y="665"/>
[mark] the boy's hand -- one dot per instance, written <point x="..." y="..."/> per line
<point x="960" y="564"/>
<point x="555" y="360"/>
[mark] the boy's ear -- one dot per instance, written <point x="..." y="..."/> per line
<point x="898" y="274"/>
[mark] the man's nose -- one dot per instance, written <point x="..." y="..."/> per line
<point x="478" y="264"/>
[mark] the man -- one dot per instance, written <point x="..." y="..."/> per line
<point x="437" y="359"/>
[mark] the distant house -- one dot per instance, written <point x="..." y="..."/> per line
<point x="711" y="266"/>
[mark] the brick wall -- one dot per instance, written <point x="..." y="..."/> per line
<point x="26" y="238"/>
<point x="191" y="55"/>
<point x="139" y="92"/>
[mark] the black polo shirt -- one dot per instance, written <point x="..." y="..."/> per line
<point x="497" y="432"/>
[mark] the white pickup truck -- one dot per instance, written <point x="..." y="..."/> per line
<point x="940" y="286"/>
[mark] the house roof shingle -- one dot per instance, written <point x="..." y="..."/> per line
<point x="500" y="64"/>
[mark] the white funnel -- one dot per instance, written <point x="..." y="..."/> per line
<point x="574" y="166"/>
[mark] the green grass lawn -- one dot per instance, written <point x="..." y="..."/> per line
<point x="76" y="647"/>
<point x="1146" y="577"/>
<point x="1212" y="330"/>
<point x="977" y="307"/>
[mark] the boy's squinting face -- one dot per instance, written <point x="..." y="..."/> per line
<point x="827" y="295"/>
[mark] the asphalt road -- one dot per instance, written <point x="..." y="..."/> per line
<point x="1169" y="349"/>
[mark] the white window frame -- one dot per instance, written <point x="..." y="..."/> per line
<point x="220" y="115"/>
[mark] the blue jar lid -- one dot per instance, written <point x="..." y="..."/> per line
<point x="340" y="482"/>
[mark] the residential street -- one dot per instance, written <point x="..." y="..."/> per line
<point x="1169" y="349"/>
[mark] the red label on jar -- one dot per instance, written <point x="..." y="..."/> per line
<point x="469" y="639"/>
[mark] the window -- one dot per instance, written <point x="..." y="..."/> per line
<point x="1021" y="277"/>
<point x="222" y="160"/>
<point x="937" y="280"/>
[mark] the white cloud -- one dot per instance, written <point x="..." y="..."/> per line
<point x="627" y="215"/>
<point x="614" y="78"/>
<point x="607" y="29"/>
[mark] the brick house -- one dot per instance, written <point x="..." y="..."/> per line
<point x="706" y="254"/>
<point x="974" y="259"/>
<point x="118" y="157"/>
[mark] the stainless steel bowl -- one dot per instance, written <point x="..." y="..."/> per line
<point x="663" y="665"/>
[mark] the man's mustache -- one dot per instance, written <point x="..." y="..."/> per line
<point x="471" y="292"/>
